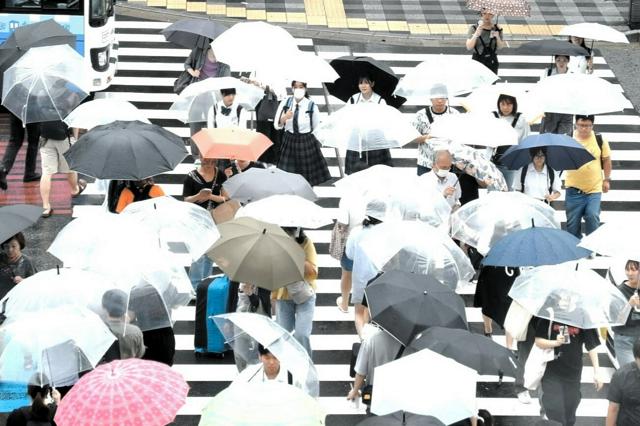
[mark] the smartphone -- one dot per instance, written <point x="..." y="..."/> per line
<point x="565" y="332"/>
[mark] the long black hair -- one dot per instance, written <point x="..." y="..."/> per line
<point x="510" y="100"/>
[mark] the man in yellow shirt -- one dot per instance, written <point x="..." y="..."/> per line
<point x="586" y="185"/>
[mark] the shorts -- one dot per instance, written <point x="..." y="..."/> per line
<point x="346" y="263"/>
<point x="51" y="156"/>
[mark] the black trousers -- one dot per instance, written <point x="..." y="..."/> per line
<point x="560" y="398"/>
<point x="16" y="139"/>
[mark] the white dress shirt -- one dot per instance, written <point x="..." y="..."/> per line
<point x="219" y="120"/>
<point x="536" y="183"/>
<point x="440" y="184"/>
<point x="304" y="123"/>
<point x="357" y="98"/>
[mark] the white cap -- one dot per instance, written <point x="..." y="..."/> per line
<point x="438" y="90"/>
<point x="376" y="208"/>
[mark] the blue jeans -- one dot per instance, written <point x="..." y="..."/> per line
<point x="200" y="269"/>
<point x="580" y="205"/>
<point x="297" y="318"/>
<point x="623" y="346"/>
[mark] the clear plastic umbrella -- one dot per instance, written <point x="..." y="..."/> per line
<point x="299" y="66"/>
<point x="194" y="102"/>
<point x="484" y="221"/>
<point x="485" y="99"/>
<point x="474" y="162"/>
<point x="614" y="238"/>
<point x="366" y="127"/>
<point x="570" y="295"/>
<point x="463" y="129"/>
<point x="460" y="74"/>
<point x="52" y="346"/>
<point x="287" y="210"/>
<point x="594" y="31"/>
<point x="175" y="221"/>
<point x="46" y="84"/>
<point x="103" y="111"/>
<point x="243" y="331"/>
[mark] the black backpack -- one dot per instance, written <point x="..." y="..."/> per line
<point x="215" y="114"/>
<point x="550" y="174"/>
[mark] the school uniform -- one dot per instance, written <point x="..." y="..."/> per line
<point x="355" y="161"/>
<point x="300" y="151"/>
<point x="219" y="116"/>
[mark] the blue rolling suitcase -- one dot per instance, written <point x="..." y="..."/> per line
<point x="212" y="298"/>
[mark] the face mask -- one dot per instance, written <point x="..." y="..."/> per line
<point x="299" y="93"/>
<point x="442" y="173"/>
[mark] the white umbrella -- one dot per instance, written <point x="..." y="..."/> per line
<point x="287" y="210"/>
<point x="594" y="31"/>
<point x="485" y="100"/>
<point x="426" y="383"/>
<point x="246" y="45"/>
<point x="460" y="74"/>
<point x="474" y="129"/>
<point x="103" y="111"/>
<point x="194" y="102"/>
<point x="578" y="94"/>
<point x="299" y="66"/>
<point x="366" y="127"/>
<point x="614" y="238"/>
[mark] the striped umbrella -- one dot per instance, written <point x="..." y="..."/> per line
<point x="502" y="7"/>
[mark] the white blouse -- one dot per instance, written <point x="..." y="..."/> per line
<point x="304" y="122"/>
<point x="536" y="183"/>
<point x="357" y="98"/>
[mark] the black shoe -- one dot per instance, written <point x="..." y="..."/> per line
<point x="32" y="178"/>
<point x="3" y="179"/>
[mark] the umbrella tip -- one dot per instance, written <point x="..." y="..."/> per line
<point x="577" y="264"/>
<point x="264" y="231"/>
<point x="424" y="292"/>
<point x="155" y="207"/>
<point x="58" y="269"/>
<point x="533" y="224"/>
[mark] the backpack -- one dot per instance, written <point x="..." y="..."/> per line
<point x="427" y="110"/>
<point x="289" y="103"/>
<point x="550" y="174"/>
<point x="488" y="57"/>
<point x="215" y="114"/>
<point x="600" y="141"/>
<point x="26" y="412"/>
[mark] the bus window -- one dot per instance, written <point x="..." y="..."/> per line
<point x="100" y="11"/>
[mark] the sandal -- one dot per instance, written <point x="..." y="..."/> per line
<point x="339" y="303"/>
<point x="47" y="213"/>
<point x="82" y="185"/>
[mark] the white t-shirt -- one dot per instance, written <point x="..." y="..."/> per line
<point x="536" y="183"/>
<point x="255" y="373"/>
<point x="357" y="98"/>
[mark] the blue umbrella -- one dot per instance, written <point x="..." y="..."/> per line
<point x="535" y="247"/>
<point x="563" y="152"/>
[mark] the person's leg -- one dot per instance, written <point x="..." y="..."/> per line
<point x="72" y="179"/>
<point x="361" y="318"/>
<point x="524" y="348"/>
<point x="345" y="283"/>
<point x="572" y="397"/>
<point x="16" y="138"/>
<point x="422" y="170"/>
<point x="194" y="128"/>
<point x="565" y="124"/>
<point x="33" y="141"/>
<point x="45" y="191"/>
<point x="552" y="400"/>
<point x="592" y="212"/>
<point x="574" y="205"/>
<point x="304" y="322"/>
<point x="623" y="346"/>
<point x="488" y="325"/>
<point x="286" y="314"/>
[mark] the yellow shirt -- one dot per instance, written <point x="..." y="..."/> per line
<point x="311" y="256"/>
<point x="588" y="178"/>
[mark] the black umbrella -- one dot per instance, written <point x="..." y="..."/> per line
<point x="404" y="304"/>
<point x="190" y="33"/>
<point x="550" y="47"/>
<point x="128" y="150"/>
<point x="16" y="218"/>
<point x="351" y="68"/>
<point x="473" y="350"/>
<point x="401" y="418"/>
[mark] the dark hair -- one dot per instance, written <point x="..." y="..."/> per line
<point x="114" y="301"/>
<point x="370" y="221"/>
<point x="583" y="45"/>
<point x="39" y="410"/>
<point x="510" y="100"/>
<point x="535" y="151"/>
<point x="632" y="264"/>
<point x="636" y="349"/>
<point x="290" y="230"/>
<point x="19" y="237"/>
<point x="262" y="350"/>
<point x="559" y="56"/>
<point x="366" y="78"/>
<point x="590" y="118"/>
<point x="293" y="82"/>
<point x="226" y="92"/>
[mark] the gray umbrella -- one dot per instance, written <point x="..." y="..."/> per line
<point x="550" y="47"/>
<point x="401" y="418"/>
<point x="256" y="184"/>
<point x="190" y="33"/>
<point x="16" y="218"/>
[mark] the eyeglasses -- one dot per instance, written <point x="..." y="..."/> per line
<point x="584" y="126"/>
<point x="539" y="156"/>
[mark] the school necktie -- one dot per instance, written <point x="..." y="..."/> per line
<point x="296" y="128"/>
<point x="225" y="111"/>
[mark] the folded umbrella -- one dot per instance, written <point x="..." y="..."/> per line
<point x="401" y="418"/>
<point x="287" y="210"/>
<point x="103" y="111"/>
<point x="231" y="143"/>
<point x="463" y="129"/>
<point x="502" y="7"/>
<point x="474" y="162"/>
<point x="16" y="218"/>
<point x="594" y="31"/>
<point x="550" y="47"/>
<point x="128" y="150"/>
<point x="614" y="238"/>
<point x="563" y="152"/>
<point x="190" y="32"/>
<point x="255" y="184"/>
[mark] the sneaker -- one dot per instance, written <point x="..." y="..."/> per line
<point x="31" y="178"/>
<point x="524" y="397"/>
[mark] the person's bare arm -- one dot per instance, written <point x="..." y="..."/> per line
<point x="612" y="414"/>
<point x="607" y="166"/>
<point x="357" y="385"/>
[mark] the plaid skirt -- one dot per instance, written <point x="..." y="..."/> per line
<point x="354" y="161"/>
<point x="300" y="153"/>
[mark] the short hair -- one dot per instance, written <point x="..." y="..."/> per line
<point x="636" y="349"/>
<point x="537" y="150"/>
<point x="441" y="153"/>
<point x="19" y="237"/>
<point x="632" y="264"/>
<point x="114" y="301"/>
<point x="510" y="100"/>
<point x="262" y="350"/>
<point x="227" y="92"/>
<point x="366" y="79"/>
<point x="590" y="118"/>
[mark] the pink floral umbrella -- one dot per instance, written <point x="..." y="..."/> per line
<point x="129" y="392"/>
<point x="502" y="7"/>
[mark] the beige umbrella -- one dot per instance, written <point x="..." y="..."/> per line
<point x="258" y="253"/>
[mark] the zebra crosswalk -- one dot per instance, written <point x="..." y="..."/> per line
<point x="147" y="68"/>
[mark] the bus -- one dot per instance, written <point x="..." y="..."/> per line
<point x="91" y="21"/>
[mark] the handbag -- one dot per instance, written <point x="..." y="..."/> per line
<point x="536" y="363"/>
<point x="339" y="235"/>
<point x="181" y="83"/>
<point x="517" y="321"/>
<point x="267" y="107"/>
<point x="300" y="292"/>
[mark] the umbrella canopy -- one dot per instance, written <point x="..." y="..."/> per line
<point x="351" y="68"/>
<point x="103" y="111"/>
<point x="614" y="238"/>
<point x="198" y="98"/>
<point x="232" y="143"/>
<point x="45" y="84"/>
<point x="128" y="150"/>
<point x="255" y="184"/>
<point x="426" y="383"/>
<point x="473" y="350"/>
<point x="578" y="94"/>
<point x="366" y="127"/>
<point x="404" y="304"/>
<point x="550" y="47"/>
<point x="299" y="66"/>
<point x="401" y="418"/>
<point x="258" y="253"/>
<point x="570" y="295"/>
<point x="175" y="221"/>
<point x="475" y="163"/>
<point x="16" y="218"/>
<point x="272" y="404"/>
<point x="242" y="330"/>
<point x="502" y="7"/>
<point x="125" y="392"/>
<point x="535" y="247"/>
<point x="287" y="210"/>
<point x="485" y="100"/>
<point x="190" y="33"/>
<point x="463" y="129"/>
<point x="246" y="45"/>
<point x="52" y="346"/>
<point x="594" y="31"/>
<point x="483" y="222"/>
<point x="563" y="152"/>
<point x="460" y="74"/>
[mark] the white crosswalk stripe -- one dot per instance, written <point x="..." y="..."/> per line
<point x="147" y="69"/>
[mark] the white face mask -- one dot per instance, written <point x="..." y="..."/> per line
<point x="442" y="173"/>
<point x="299" y="93"/>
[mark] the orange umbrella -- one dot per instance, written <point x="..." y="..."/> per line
<point x="232" y="143"/>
